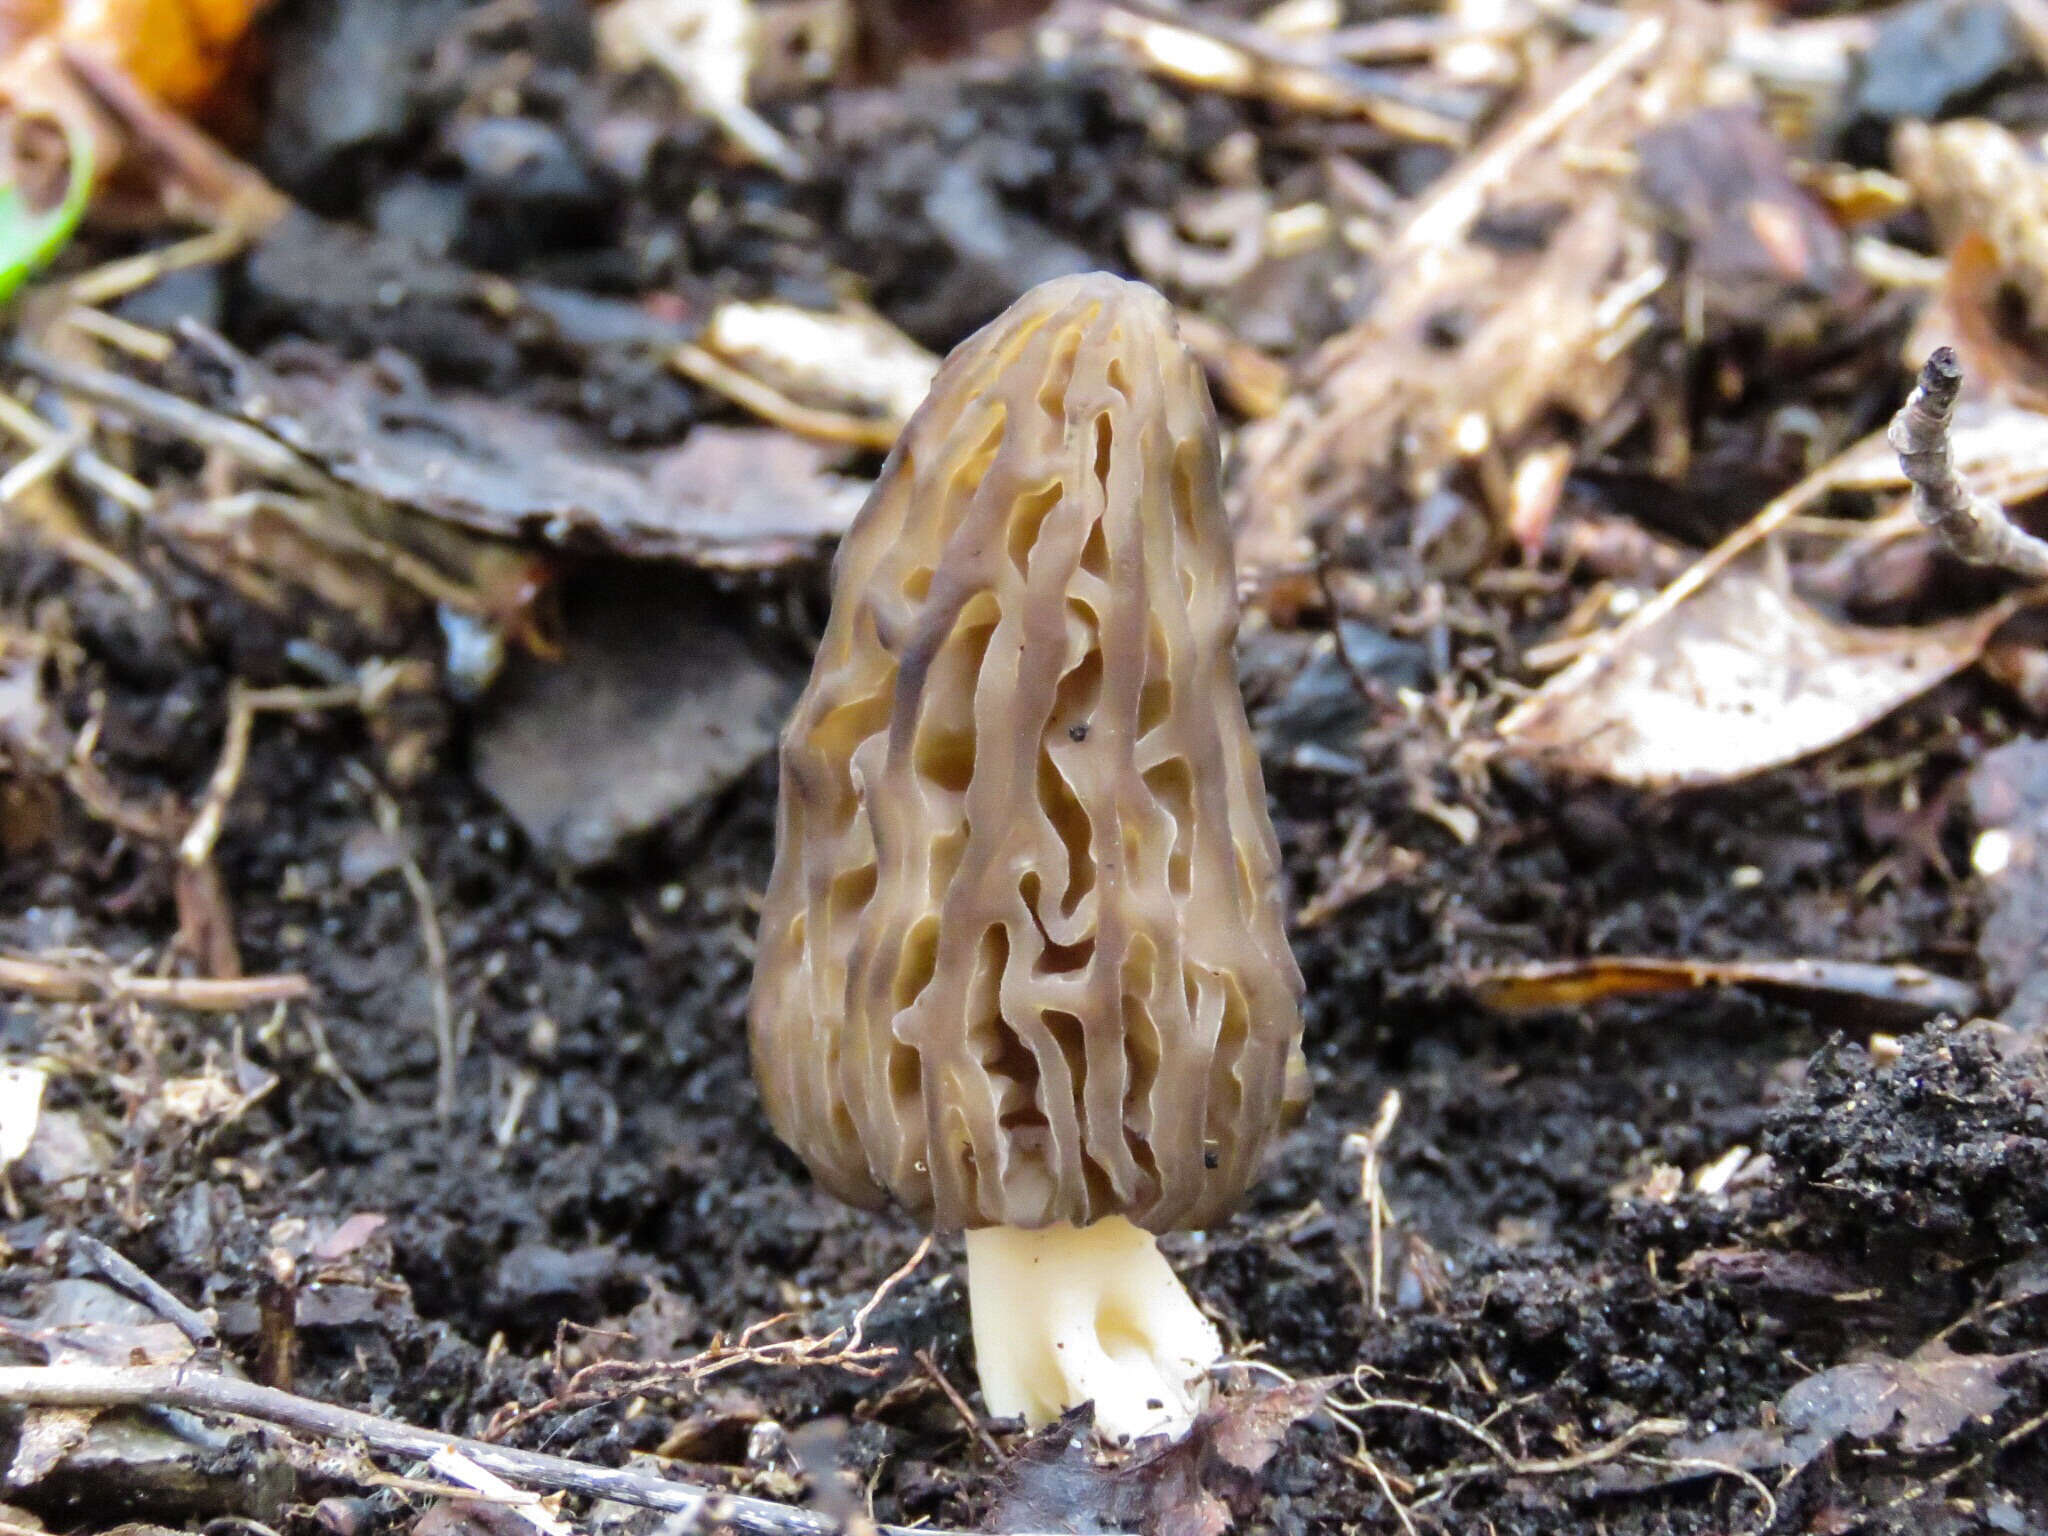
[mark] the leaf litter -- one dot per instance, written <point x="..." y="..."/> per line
<point x="1193" y="1487"/>
<point x="1728" y="671"/>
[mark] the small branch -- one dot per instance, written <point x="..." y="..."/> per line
<point x="94" y="1386"/>
<point x="244" y="704"/>
<point x="1975" y="527"/>
<point x="174" y="415"/>
<point x="965" y="1410"/>
<point x="124" y="1274"/>
<point x="76" y="984"/>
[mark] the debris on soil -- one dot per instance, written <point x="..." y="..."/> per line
<point x="1477" y="332"/>
<point x="1196" y="1486"/>
<point x="656" y="703"/>
<point x="1924" y="1399"/>
<point x="1729" y="670"/>
<point x="1893" y="993"/>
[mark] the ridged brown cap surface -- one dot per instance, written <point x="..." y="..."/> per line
<point x="1022" y="957"/>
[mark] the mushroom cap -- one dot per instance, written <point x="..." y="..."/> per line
<point x="1022" y="958"/>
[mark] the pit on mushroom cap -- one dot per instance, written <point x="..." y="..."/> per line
<point x="1022" y="962"/>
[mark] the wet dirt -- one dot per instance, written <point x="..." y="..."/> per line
<point x="607" y="1166"/>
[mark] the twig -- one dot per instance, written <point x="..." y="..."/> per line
<point x="1364" y="1457"/>
<point x="138" y="341"/>
<point x="117" y="279"/>
<point x="1963" y="1468"/>
<point x="1442" y="1415"/>
<point x="1554" y="1466"/>
<point x="901" y="1273"/>
<point x="325" y="1062"/>
<point x="1370" y="1194"/>
<point x="447" y="1048"/>
<point x="1243" y="60"/>
<point x="1456" y="200"/>
<point x="608" y="1381"/>
<point x="96" y="1386"/>
<point x="23" y="424"/>
<point x="174" y="414"/>
<point x="244" y="704"/>
<point x="36" y="467"/>
<point x="523" y="1504"/>
<point x="77" y="984"/>
<point x="1368" y="690"/>
<point x="1386" y="1486"/>
<point x="124" y="1274"/>
<point x="961" y="1406"/>
<point x="225" y="189"/>
<point x="1975" y="527"/>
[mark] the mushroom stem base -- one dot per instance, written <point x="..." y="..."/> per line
<point x="1066" y="1315"/>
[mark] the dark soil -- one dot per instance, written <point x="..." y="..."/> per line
<point x="606" y="1167"/>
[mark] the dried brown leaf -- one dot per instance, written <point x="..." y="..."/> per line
<point x="497" y="469"/>
<point x="1744" y="676"/>
<point x="1728" y="671"/>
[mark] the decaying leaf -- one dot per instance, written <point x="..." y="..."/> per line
<point x="1194" y="1487"/>
<point x="1900" y="992"/>
<point x="499" y="470"/>
<point x="1927" y="1397"/>
<point x="654" y="705"/>
<point x="1923" y="1400"/>
<point x="1729" y="671"/>
<point x="83" y="1322"/>
<point x="1772" y="1270"/>
<point x="762" y="497"/>
<point x="48" y="1435"/>
<point x="1744" y="676"/>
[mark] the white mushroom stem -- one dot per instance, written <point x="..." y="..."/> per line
<point x="1065" y="1315"/>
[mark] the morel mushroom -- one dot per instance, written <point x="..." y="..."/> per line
<point x="1022" y="962"/>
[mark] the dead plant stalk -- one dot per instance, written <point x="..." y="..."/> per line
<point x="154" y="1386"/>
<point x="1976" y="527"/>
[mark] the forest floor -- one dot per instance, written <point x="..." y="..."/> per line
<point x="1764" y="1254"/>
